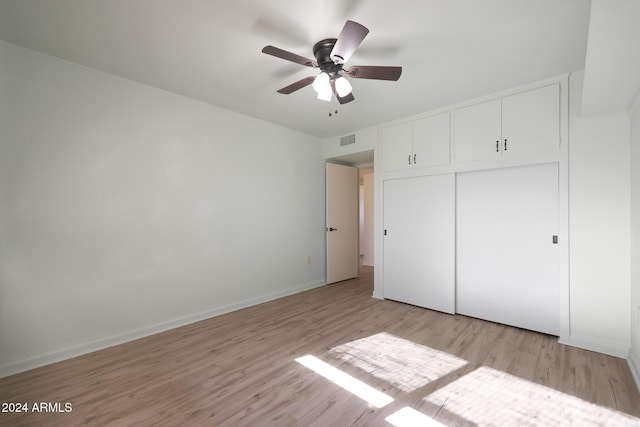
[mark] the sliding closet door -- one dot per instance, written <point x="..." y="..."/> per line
<point x="507" y="262"/>
<point x="419" y="251"/>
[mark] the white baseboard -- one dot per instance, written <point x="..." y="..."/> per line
<point x="592" y="344"/>
<point x="634" y="365"/>
<point x="89" y="347"/>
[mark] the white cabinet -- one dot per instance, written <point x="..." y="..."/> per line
<point x="397" y="146"/>
<point x="507" y="262"/>
<point x="419" y="241"/>
<point x="531" y="121"/>
<point x="473" y="230"/>
<point x="431" y="140"/>
<point x="519" y="124"/>
<point x="420" y="143"/>
<point x="478" y="131"/>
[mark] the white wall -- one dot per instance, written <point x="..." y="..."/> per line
<point x="612" y="69"/>
<point x="635" y="240"/>
<point x="366" y="139"/>
<point x="125" y="210"/>
<point x="599" y="221"/>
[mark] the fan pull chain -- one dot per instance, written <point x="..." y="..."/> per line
<point x="331" y="108"/>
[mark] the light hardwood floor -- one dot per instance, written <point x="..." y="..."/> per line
<point x="240" y="369"/>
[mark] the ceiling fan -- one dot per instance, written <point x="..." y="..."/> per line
<point x="331" y="55"/>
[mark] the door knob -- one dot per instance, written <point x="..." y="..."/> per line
<point x="333" y="229"/>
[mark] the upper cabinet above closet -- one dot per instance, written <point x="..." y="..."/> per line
<point x="416" y="144"/>
<point x="515" y="125"/>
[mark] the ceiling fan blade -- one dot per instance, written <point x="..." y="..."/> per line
<point x="280" y="53"/>
<point x="348" y="41"/>
<point x="345" y="99"/>
<point x="297" y="85"/>
<point x="374" y="72"/>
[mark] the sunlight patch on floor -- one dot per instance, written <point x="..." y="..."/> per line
<point x="409" y="417"/>
<point x="371" y="395"/>
<point x="402" y="363"/>
<point x="487" y="396"/>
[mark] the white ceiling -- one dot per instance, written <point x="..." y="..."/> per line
<point x="209" y="50"/>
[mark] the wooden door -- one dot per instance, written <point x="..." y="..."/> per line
<point x="342" y="222"/>
<point x="507" y="262"/>
<point x="419" y="251"/>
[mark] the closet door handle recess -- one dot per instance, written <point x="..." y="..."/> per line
<point x="505" y="144"/>
<point x="498" y="146"/>
<point x="409" y="158"/>
<point x="414" y="159"/>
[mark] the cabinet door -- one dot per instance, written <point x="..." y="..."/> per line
<point x="396" y="142"/>
<point x="419" y="245"/>
<point x="478" y="131"/>
<point x="431" y="141"/>
<point x="507" y="264"/>
<point x="531" y="121"/>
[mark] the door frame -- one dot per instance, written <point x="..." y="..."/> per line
<point x="361" y="159"/>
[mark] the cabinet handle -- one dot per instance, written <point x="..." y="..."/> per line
<point x="414" y="159"/>
<point x="409" y="158"/>
<point x="505" y="144"/>
<point x="498" y="146"/>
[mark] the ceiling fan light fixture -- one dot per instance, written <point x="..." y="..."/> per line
<point x="321" y="83"/>
<point x="325" y="95"/>
<point x="343" y="87"/>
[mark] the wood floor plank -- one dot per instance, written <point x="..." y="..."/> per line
<point x="239" y="369"/>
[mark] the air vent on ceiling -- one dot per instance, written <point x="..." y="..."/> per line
<point x="349" y="139"/>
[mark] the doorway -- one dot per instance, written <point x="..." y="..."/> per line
<point x="363" y="240"/>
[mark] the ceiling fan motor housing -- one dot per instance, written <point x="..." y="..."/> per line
<point x="322" y="51"/>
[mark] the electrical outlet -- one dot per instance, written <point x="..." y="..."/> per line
<point x="309" y="259"/>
